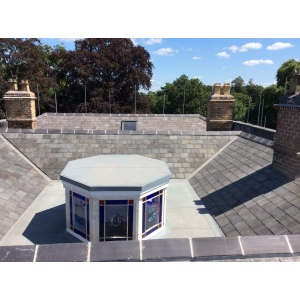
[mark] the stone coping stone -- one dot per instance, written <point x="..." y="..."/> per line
<point x="125" y="132"/>
<point x="81" y="131"/>
<point x="294" y="241"/>
<point x="200" y="132"/>
<point x="110" y="131"/>
<point x="180" y="249"/>
<point x="17" y="253"/>
<point x="166" y="248"/>
<point x="43" y="131"/>
<point x="27" y="130"/>
<point x="132" y="131"/>
<point x="98" y="131"/>
<point x="68" y="131"/>
<point x="214" y="246"/>
<point x="112" y="251"/>
<point x="62" y="253"/>
<point x="121" y="132"/>
<point x="54" y="131"/>
<point x="13" y="130"/>
<point x="163" y="132"/>
<point x="150" y="132"/>
<point x="264" y="245"/>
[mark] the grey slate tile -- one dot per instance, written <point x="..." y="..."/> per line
<point x="293" y="228"/>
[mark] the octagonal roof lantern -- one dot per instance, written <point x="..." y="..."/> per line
<point x="116" y="173"/>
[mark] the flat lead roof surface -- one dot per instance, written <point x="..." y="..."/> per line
<point x="115" y="170"/>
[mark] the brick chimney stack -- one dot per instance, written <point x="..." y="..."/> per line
<point x="286" y="157"/>
<point x="220" y="109"/>
<point x="20" y="105"/>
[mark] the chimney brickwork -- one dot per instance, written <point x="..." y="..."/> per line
<point x="220" y="109"/>
<point x="286" y="157"/>
<point x="20" y="105"/>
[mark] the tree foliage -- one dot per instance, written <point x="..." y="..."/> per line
<point x="285" y="72"/>
<point x="110" y="71"/>
<point x="184" y="95"/>
<point x="26" y="59"/>
<point x="238" y="85"/>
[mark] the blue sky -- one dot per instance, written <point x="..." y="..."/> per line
<point x="212" y="59"/>
<point x="214" y="41"/>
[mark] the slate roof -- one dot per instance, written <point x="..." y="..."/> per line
<point x="245" y="195"/>
<point x="182" y="153"/>
<point x="20" y="184"/>
<point x="230" y="171"/>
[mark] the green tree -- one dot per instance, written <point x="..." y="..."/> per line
<point x="110" y="69"/>
<point x="241" y="106"/>
<point x="270" y="97"/>
<point x="253" y="90"/>
<point x="238" y="85"/>
<point x="25" y="59"/>
<point x="184" y="95"/>
<point x="285" y="72"/>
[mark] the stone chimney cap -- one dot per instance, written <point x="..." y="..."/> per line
<point x="25" y="86"/>
<point x="12" y="82"/>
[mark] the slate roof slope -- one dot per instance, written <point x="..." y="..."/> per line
<point x="20" y="184"/>
<point x="245" y="195"/>
<point x="183" y="154"/>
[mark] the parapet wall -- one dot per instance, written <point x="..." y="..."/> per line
<point x="262" y="132"/>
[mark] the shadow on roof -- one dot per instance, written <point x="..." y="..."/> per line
<point x="257" y="184"/>
<point x="264" y="202"/>
<point x="49" y="227"/>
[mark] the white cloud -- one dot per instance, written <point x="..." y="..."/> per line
<point x="198" y="77"/>
<point x="257" y="62"/>
<point x="279" y="45"/>
<point x="197" y="57"/>
<point x="245" y="47"/>
<point x="252" y="46"/>
<point x="233" y="48"/>
<point x="153" y="41"/>
<point x="165" y="52"/>
<point x="223" y="54"/>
